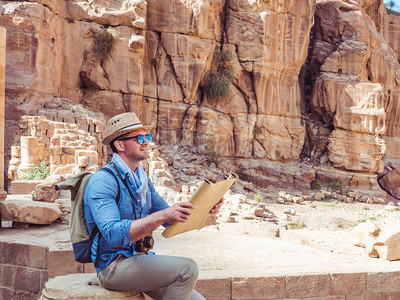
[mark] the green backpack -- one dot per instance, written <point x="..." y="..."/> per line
<point x="79" y="234"/>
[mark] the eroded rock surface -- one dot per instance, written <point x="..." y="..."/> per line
<point x="390" y="182"/>
<point x="353" y="102"/>
<point x="163" y="55"/>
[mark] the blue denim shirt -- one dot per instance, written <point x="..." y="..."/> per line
<point x="114" y="221"/>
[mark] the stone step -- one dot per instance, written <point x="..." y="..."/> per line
<point x="82" y="286"/>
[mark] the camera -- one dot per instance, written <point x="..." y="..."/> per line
<point x="144" y="244"/>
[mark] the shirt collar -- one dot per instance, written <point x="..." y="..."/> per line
<point x="125" y="170"/>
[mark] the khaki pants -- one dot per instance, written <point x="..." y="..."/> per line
<point x="160" y="277"/>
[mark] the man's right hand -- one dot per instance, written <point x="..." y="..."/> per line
<point x="178" y="212"/>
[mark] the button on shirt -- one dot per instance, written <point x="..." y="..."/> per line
<point x="114" y="221"/>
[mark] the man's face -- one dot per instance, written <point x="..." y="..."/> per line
<point x="131" y="147"/>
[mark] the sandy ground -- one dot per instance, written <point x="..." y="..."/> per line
<point x="250" y="247"/>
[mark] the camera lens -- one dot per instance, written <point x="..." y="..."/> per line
<point x="148" y="242"/>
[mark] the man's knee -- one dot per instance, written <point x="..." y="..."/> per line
<point x="191" y="270"/>
<point x="194" y="268"/>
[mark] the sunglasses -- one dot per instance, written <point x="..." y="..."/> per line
<point x="140" y="138"/>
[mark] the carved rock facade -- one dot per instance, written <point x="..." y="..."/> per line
<point x="355" y="90"/>
<point x="163" y="55"/>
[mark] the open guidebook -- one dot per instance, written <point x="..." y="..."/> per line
<point x="203" y="199"/>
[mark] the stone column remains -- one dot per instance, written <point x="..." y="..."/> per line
<point x="3" y="194"/>
<point x="31" y="153"/>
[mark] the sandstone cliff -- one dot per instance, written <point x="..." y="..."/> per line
<point x="342" y="113"/>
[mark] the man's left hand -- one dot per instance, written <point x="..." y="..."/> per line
<point x="217" y="207"/>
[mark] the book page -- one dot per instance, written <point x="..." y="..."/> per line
<point x="204" y="199"/>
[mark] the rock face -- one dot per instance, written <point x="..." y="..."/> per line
<point x="390" y="182"/>
<point x="159" y="59"/>
<point x="376" y="10"/>
<point x="162" y="57"/>
<point x="351" y="94"/>
<point x="394" y="34"/>
<point x="342" y="94"/>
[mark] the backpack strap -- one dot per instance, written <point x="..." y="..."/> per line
<point x="119" y="190"/>
<point x="127" y="187"/>
<point x="96" y="229"/>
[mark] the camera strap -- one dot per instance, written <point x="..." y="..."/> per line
<point x="133" y="201"/>
<point x="129" y="191"/>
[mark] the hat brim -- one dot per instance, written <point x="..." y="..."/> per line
<point x="113" y="136"/>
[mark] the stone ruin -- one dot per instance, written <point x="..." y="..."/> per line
<point x="65" y="138"/>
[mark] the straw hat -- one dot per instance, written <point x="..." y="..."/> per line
<point x="121" y="124"/>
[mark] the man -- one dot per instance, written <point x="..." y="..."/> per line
<point x="122" y="263"/>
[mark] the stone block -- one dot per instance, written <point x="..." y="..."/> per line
<point x="58" y="125"/>
<point x="82" y="286"/>
<point x="38" y="256"/>
<point x="348" y="283"/>
<point x="92" y="155"/>
<point x="26" y="279"/>
<point x="15" y="254"/>
<point x="6" y="293"/>
<point x="24" y="255"/>
<point x="64" y="170"/>
<point x="214" y="289"/>
<point x="45" y="191"/>
<point x="82" y="161"/>
<point x="315" y="285"/>
<point x="16" y="151"/>
<point x="5" y="275"/>
<point x="55" y="141"/>
<point x="89" y="268"/>
<point x="390" y="296"/>
<point x="20" y="187"/>
<point x="43" y="125"/>
<point x="337" y="297"/>
<point x="69" y="150"/>
<point x="62" y="262"/>
<point x="81" y="121"/>
<point x="69" y="119"/>
<point x="27" y="211"/>
<point x="55" y="151"/>
<point x="55" y="159"/>
<point x="381" y="282"/>
<point x="364" y="297"/>
<point x="67" y="159"/>
<point x="258" y="288"/>
<point x="44" y="277"/>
